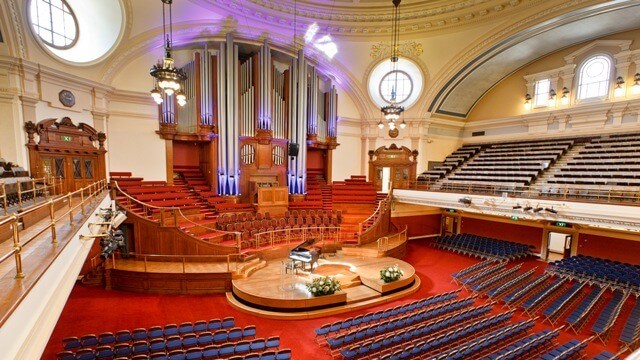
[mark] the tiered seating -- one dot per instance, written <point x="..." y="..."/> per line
<point x="249" y="224"/>
<point x="606" y="161"/>
<point x="561" y="303"/>
<point x="568" y="350"/>
<point x="609" y="315"/>
<point x="355" y="190"/>
<point x="631" y="331"/>
<point x="513" y="164"/>
<point x="217" y="338"/>
<point x="585" y="309"/>
<point x="483" y="247"/>
<point x="313" y="199"/>
<point x="595" y="270"/>
<point x="450" y="163"/>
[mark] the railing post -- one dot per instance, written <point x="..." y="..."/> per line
<point x="4" y="198"/>
<point x="145" y="263"/>
<point x="70" y="210"/>
<point x="175" y="218"/>
<point x="81" y="201"/>
<point x="17" y="248"/>
<point x="184" y="260"/>
<point x="52" y="215"/>
<point x="113" y="259"/>
<point x="33" y="188"/>
<point x="19" y="195"/>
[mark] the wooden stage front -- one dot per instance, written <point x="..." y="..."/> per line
<point x="275" y="293"/>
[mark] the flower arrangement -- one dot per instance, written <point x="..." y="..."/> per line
<point x="323" y="285"/>
<point x="391" y="273"/>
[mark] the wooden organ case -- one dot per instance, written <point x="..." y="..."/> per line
<point x="401" y="161"/>
<point x="67" y="151"/>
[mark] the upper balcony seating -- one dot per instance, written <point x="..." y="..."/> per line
<point x="513" y="164"/>
<point x="612" y="160"/>
<point x="475" y="245"/>
<point x="595" y="270"/>
<point x="451" y="162"/>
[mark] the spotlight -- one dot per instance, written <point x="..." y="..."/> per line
<point x="537" y="210"/>
<point x="527" y="208"/>
<point x="517" y="207"/>
<point x="551" y="210"/>
<point x="466" y="201"/>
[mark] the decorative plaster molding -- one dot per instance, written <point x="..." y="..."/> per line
<point x="405" y="48"/>
<point x="17" y="27"/>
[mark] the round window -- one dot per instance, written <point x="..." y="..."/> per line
<point x="54" y="22"/>
<point x="77" y="31"/>
<point x="402" y="82"/>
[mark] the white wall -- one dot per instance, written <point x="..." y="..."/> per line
<point x="346" y="157"/>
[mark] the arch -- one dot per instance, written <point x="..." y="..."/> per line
<point x="594" y="77"/>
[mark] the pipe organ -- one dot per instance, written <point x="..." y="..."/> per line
<point x="246" y="106"/>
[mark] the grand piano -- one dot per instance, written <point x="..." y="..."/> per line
<point x="305" y="256"/>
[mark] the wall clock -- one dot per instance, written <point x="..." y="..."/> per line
<point x="393" y="133"/>
<point x="67" y="98"/>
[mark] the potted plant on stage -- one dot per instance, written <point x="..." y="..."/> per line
<point x="323" y="285"/>
<point x="391" y="273"/>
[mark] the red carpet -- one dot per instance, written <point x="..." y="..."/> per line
<point x="94" y="310"/>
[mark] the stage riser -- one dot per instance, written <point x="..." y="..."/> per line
<point x="159" y="283"/>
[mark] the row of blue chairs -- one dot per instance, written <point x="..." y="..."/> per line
<point x="143" y="347"/>
<point x="631" y="331"/>
<point x="374" y="316"/>
<point x="515" y="282"/>
<point x="414" y="333"/>
<point x="483" y="247"/>
<point x="415" y="349"/>
<point x="607" y="272"/>
<point x="472" y="269"/>
<point x="580" y="314"/>
<point x="560" y="303"/>
<point x="609" y="315"/>
<point x="496" y="279"/>
<point x="484" y="274"/>
<point x="521" y="348"/>
<point x="544" y="294"/>
<point x="606" y="355"/>
<point x="173" y="349"/>
<point x="566" y="351"/>
<point x="470" y="349"/>
<point x="398" y="323"/>
<point x="519" y="293"/>
<point x="153" y="332"/>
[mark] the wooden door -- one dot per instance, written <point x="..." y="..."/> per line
<point x="83" y="171"/>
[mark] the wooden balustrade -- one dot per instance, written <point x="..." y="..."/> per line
<point x="379" y="223"/>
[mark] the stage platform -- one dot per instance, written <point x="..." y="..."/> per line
<point x="276" y="292"/>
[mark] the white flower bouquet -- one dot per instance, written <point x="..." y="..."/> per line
<point x="323" y="285"/>
<point x="391" y="273"/>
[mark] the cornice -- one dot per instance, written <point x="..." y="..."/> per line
<point x="56" y="76"/>
<point x="131" y="97"/>
<point x="372" y="18"/>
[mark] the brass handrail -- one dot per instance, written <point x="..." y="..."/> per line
<point x="272" y="238"/>
<point x="94" y="189"/>
<point x="183" y="259"/>
<point x="615" y="195"/>
<point x="47" y="184"/>
<point x="379" y="209"/>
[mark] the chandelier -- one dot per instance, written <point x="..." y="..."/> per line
<point x="167" y="77"/>
<point x="393" y="111"/>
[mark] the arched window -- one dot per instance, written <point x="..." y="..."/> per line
<point x="595" y="75"/>
<point x="54" y="22"/>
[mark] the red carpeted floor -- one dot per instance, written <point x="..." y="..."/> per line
<point x="94" y="310"/>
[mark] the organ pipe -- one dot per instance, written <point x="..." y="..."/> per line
<point x="279" y="112"/>
<point x="187" y="113"/>
<point x="265" y="86"/>
<point x="312" y="109"/>
<point x="298" y="124"/>
<point x="332" y="116"/>
<point x="228" y="152"/>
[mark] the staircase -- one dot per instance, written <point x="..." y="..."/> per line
<point x="556" y="167"/>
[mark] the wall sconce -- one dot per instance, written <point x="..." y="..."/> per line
<point x="552" y="98"/>
<point x="564" y="100"/>
<point x="618" y="91"/>
<point x="527" y="102"/>
<point x="635" y="88"/>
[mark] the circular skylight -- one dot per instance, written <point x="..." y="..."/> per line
<point x="77" y="31"/>
<point x="404" y="83"/>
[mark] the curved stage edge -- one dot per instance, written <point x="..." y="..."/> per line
<point x="272" y="293"/>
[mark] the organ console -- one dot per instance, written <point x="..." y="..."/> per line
<point x="306" y="256"/>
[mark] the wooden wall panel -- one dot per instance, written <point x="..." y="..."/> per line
<point x="609" y="248"/>
<point x="186" y="153"/>
<point x="166" y="283"/>
<point x="419" y="225"/>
